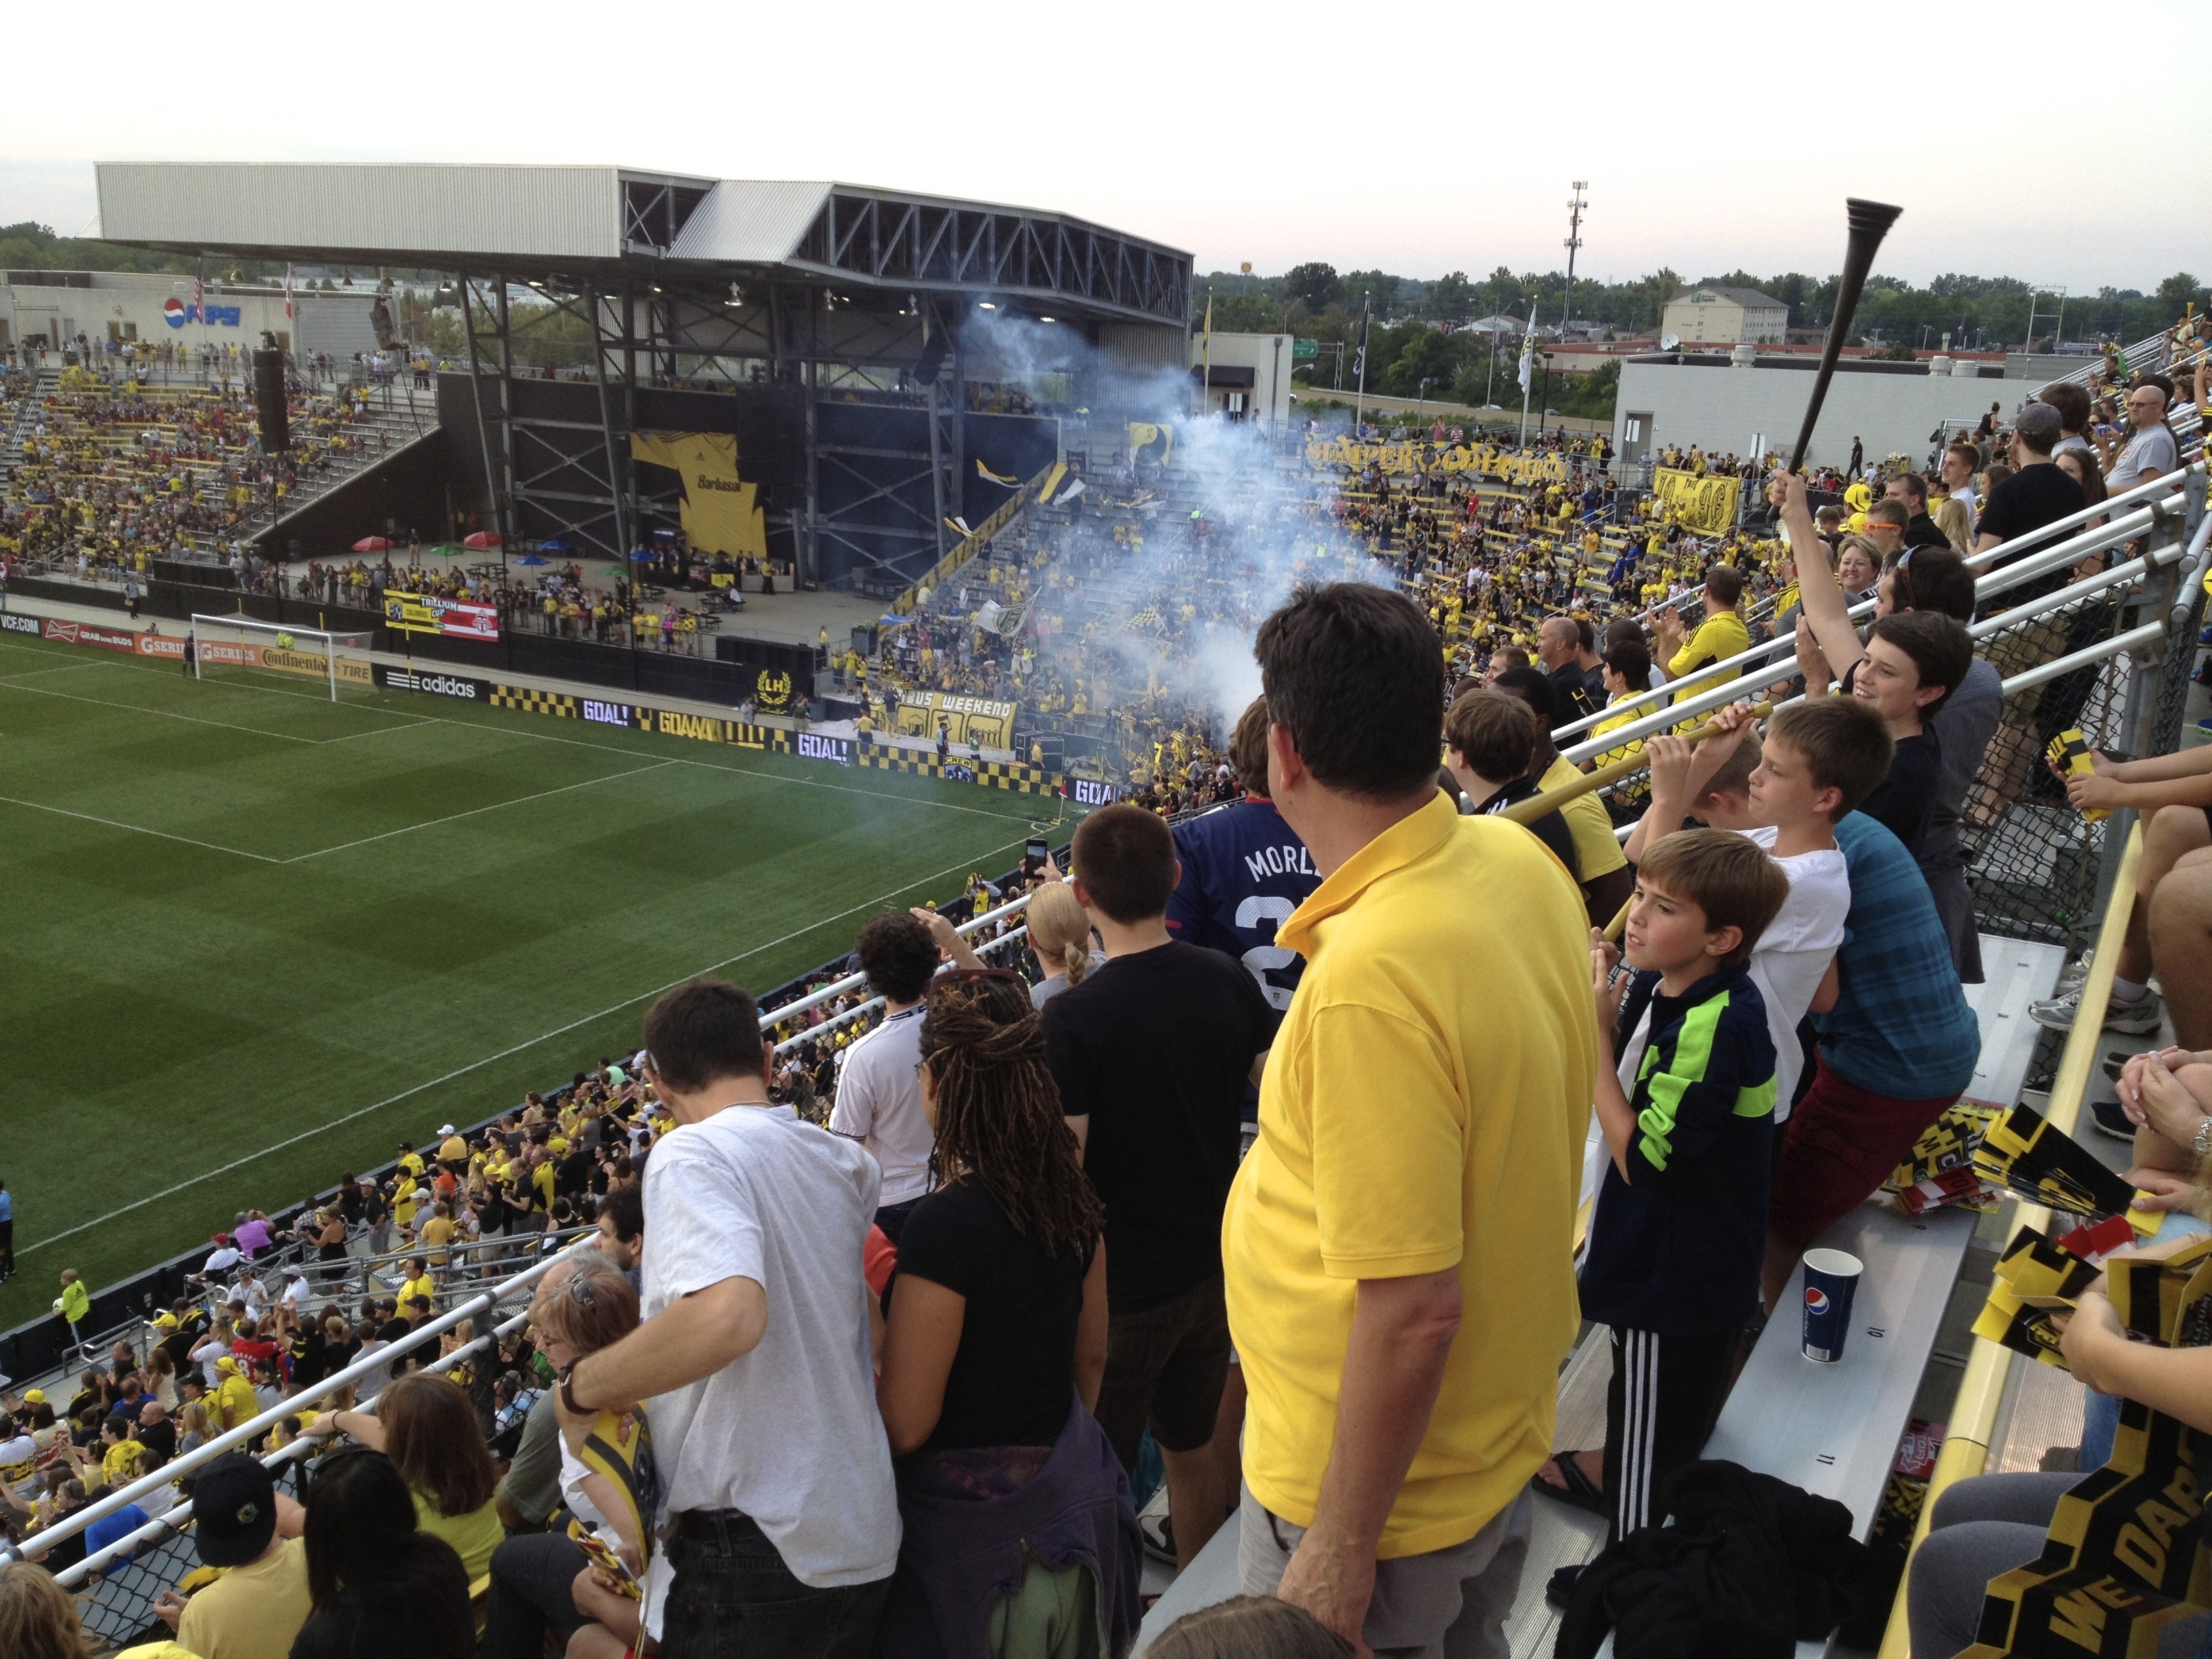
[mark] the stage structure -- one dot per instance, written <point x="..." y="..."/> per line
<point x="839" y="332"/>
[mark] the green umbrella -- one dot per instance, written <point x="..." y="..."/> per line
<point x="447" y="551"/>
<point x="613" y="570"/>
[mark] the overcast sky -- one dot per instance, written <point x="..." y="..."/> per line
<point x="1237" y="132"/>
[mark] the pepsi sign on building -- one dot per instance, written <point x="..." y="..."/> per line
<point x="52" y="308"/>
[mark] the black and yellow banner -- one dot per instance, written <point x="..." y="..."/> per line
<point x="721" y="512"/>
<point x="1704" y="501"/>
<point x="1485" y="460"/>
<point x="1149" y="442"/>
<point x="963" y="721"/>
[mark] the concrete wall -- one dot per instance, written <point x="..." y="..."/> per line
<point x="1722" y="407"/>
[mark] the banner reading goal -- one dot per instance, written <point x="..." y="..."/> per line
<point x="280" y="653"/>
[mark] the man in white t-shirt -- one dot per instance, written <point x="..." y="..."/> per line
<point x="2150" y="450"/>
<point x="754" y="1358"/>
<point x="878" y="1091"/>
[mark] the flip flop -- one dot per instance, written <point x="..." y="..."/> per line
<point x="1580" y="1490"/>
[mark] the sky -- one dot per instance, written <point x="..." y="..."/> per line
<point x="1447" y="137"/>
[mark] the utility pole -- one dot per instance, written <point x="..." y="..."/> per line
<point x="1574" y="241"/>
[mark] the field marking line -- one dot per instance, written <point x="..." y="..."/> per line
<point x="507" y="730"/>
<point x="497" y="806"/>
<point x="378" y="730"/>
<point x="59" y="668"/>
<point x="8" y="683"/>
<point x="140" y="828"/>
<point x="967" y="863"/>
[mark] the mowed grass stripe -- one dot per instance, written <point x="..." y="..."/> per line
<point x="178" y="1012"/>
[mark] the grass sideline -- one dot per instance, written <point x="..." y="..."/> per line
<point x="250" y="937"/>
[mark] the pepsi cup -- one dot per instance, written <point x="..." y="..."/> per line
<point x="1831" y="1279"/>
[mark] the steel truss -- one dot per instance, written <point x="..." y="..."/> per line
<point x="547" y="475"/>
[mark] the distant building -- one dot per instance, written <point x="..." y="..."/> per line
<point x="1249" y="377"/>
<point x="1725" y="316"/>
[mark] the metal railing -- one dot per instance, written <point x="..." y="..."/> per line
<point x="77" y="1520"/>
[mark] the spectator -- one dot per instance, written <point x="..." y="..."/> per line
<point x="1387" y="1456"/>
<point x="994" y="1348"/>
<point x="2036" y="493"/>
<point x="1913" y="663"/>
<point x="1244" y="872"/>
<point x="1059" y="935"/>
<point x="1721" y="635"/>
<point x="606" y="1475"/>
<point x="1556" y="642"/>
<point x="776" y="1481"/>
<point x="1489" y="737"/>
<point x="1249" y="1627"/>
<point x="1961" y="461"/>
<point x="38" y="1617"/>
<point x="1152" y="1053"/>
<point x="74" y="1304"/>
<point x="379" y="1583"/>
<point x="424" y="1423"/>
<point x="1676" y="1239"/>
<point x="1602" y="867"/>
<point x="878" y="1102"/>
<point x="2149" y="451"/>
<point x="621" y="1239"/>
<point x="241" y="1523"/>
<point x="1893" y="1052"/>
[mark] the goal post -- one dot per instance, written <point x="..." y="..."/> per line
<point x="278" y="654"/>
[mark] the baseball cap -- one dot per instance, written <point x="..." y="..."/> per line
<point x="445" y="1128"/>
<point x="34" y="1397"/>
<point x="2040" y="424"/>
<point x="166" y="1321"/>
<point x="235" y="1504"/>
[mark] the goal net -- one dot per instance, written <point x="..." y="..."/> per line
<point x="280" y="655"/>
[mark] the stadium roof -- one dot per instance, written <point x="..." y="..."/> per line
<point x="1749" y="298"/>
<point x="606" y="221"/>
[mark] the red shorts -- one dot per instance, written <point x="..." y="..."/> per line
<point x="1841" y="1143"/>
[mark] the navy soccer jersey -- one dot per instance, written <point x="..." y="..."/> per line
<point x="1243" y="873"/>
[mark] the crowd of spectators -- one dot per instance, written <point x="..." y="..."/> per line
<point x="878" y="1338"/>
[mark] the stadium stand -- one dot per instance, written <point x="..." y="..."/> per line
<point x="2089" y="618"/>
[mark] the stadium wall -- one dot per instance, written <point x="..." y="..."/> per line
<point x="1722" y="407"/>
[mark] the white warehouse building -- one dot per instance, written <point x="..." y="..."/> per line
<point x="54" y="308"/>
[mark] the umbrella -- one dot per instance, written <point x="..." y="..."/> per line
<point x="481" y="538"/>
<point x="643" y="556"/>
<point x="532" y="558"/>
<point x="372" y="545"/>
<point x="556" y="545"/>
<point x="612" y="570"/>
<point x="446" y="550"/>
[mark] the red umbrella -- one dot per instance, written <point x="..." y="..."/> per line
<point x="372" y="545"/>
<point x="481" y="538"/>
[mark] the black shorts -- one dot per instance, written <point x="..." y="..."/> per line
<point x="7" y="1234"/>
<point x="1164" y="1369"/>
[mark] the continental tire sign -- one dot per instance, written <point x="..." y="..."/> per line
<point x="459" y="687"/>
<point x="313" y="663"/>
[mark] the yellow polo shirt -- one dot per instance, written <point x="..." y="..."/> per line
<point x="1424" y="1108"/>
<point x="1597" y="850"/>
<point x="1720" y="636"/>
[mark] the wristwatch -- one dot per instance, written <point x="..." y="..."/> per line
<point x="2201" y="1142"/>
<point x="569" y="1398"/>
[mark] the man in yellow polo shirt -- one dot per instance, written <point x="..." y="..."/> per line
<point x="1721" y="635"/>
<point x="1397" y="1247"/>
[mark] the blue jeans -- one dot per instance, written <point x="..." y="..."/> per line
<point x="732" y="1593"/>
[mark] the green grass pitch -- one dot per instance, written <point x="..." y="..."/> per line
<point x="250" y="937"/>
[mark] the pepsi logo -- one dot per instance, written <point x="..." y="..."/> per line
<point x="1816" y="1299"/>
<point x="172" y="312"/>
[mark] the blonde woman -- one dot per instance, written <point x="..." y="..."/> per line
<point x="1060" y="934"/>
<point x="1956" y="523"/>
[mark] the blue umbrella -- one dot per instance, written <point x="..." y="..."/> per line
<point x="643" y="556"/>
<point x="556" y="545"/>
<point x="532" y="558"/>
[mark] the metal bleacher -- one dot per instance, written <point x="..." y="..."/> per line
<point x="1833" y="1430"/>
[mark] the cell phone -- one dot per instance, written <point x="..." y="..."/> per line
<point x="1036" y="852"/>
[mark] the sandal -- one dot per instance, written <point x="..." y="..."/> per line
<point x="1580" y="1490"/>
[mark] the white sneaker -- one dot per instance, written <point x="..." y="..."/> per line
<point x="2137" y="1019"/>
<point x="2071" y="976"/>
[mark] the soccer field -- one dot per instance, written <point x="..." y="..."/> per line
<point x="251" y="938"/>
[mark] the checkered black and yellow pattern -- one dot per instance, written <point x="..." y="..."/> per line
<point x="535" y="702"/>
<point x="1013" y="775"/>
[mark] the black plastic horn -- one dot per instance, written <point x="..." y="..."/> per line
<point x="1870" y="223"/>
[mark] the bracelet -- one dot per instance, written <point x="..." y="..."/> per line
<point x="567" y="1394"/>
<point x="2201" y="1142"/>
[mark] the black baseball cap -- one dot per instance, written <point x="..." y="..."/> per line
<point x="234" y="1505"/>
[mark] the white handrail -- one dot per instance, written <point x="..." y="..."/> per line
<point x="853" y="981"/>
<point x="83" y="1516"/>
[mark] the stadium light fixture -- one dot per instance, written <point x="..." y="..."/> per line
<point x="985" y="305"/>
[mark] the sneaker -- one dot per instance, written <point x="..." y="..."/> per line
<point x="2107" y="1119"/>
<point x="1158" y="1530"/>
<point x="2071" y="976"/>
<point x="2116" y="1062"/>
<point x="2137" y="1018"/>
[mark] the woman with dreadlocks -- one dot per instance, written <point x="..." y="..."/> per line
<point x="993" y="1347"/>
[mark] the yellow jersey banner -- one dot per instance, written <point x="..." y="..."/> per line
<point x="721" y="512"/>
<point x="1704" y="501"/>
<point x="1487" y="460"/>
<point x="965" y="720"/>
<point x="1148" y="442"/>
